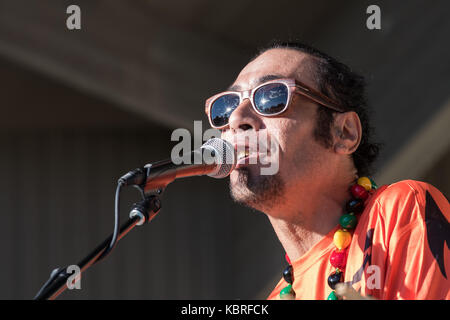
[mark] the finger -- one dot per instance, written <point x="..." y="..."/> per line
<point x="346" y="291"/>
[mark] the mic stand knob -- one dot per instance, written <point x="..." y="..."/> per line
<point x="146" y="209"/>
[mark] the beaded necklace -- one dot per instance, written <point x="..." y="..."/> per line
<point x="341" y="239"/>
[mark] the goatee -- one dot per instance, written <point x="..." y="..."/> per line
<point x="260" y="192"/>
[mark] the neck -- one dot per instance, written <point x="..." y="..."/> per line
<point x="304" y="220"/>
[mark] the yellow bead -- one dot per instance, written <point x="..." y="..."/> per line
<point x="365" y="182"/>
<point x="342" y="239"/>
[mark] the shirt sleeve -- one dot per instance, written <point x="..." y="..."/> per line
<point x="417" y="240"/>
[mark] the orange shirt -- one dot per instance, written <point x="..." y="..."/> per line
<point x="399" y="249"/>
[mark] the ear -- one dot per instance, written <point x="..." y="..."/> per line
<point x="346" y="132"/>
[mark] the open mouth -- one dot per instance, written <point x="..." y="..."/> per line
<point x="251" y="151"/>
<point x="243" y="154"/>
<point x="245" y="157"/>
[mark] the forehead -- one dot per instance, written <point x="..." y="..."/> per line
<point x="284" y="63"/>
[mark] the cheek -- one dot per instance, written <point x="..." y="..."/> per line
<point x="291" y="135"/>
<point x="297" y="147"/>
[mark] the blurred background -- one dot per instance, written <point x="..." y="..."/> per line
<point x="79" y="108"/>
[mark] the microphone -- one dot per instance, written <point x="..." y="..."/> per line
<point x="215" y="158"/>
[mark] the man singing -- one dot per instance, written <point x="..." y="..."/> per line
<point x="338" y="229"/>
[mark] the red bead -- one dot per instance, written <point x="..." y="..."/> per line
<point x="287" y="259"/>
<point x="359" y="192"/>
<point x="338" y="259"/>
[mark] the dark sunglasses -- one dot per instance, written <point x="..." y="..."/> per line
<point x="268" y="99"/>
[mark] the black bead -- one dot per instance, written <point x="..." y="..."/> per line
<point x="334" y="279"/>
<point x="287" y="274"/>
<point x="355" y="206"/>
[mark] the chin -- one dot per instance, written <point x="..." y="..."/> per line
<point x="260" y="192"/>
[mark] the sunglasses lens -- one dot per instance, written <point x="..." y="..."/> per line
<point x="271" y="98"/>
<point x="222" y="108"/>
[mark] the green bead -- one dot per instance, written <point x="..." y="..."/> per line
<point x="289" y="296"/>
<point x="287" y="293"/>
<point x="348" y="221"/>
<point x="286" y="290"/>
<point x="374" y="185"/>
<point x="332" y="296"/>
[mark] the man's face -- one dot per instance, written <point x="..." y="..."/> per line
<point x="300" y="158"/>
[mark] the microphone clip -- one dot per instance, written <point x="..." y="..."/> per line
<point x="146" y="209"/>
<point x="136" y="177"/>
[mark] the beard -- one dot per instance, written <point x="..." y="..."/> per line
<point x="260" y="192"/>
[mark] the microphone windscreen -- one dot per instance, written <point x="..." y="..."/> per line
<point x="225" y="157"/>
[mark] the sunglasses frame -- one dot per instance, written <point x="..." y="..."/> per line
<point x="293" y="85"/>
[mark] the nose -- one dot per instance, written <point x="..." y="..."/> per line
<point x="244" y="117"/>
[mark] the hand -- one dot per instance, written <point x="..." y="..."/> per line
<point x="347" y="292"/>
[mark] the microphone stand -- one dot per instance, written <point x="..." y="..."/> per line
<point x="141" y="212"/>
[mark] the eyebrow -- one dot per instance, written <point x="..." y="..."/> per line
<point x="257" y="82"/>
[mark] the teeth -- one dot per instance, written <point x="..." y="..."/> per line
<point x="243" y="154"/>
